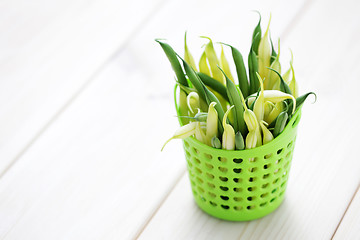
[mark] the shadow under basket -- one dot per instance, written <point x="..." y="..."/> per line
<point x="241" y="185"/>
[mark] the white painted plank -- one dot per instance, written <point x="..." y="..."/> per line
<point x="96" y="172"/>
<point x="40" y="74"/>
<point x="349" y="227"/>
<point x="325" y="170"/>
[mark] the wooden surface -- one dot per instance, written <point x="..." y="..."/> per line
<point x="86" y="102"/>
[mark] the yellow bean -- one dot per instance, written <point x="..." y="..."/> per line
<point x="267" y="135"/>
<point x="211" y="123"/>
<point x="228" y="138"/>
<point x="183" y="132"/>
<point x="264" y="55"/>
<point x="224" y="64"/>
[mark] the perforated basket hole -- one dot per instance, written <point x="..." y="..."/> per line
<point x="237" y="170"/>
<point x="264" y="195"/>
<point x="199" y="180"/>
<point x="223" y="169"/>
<point x="279" y="151"/>
<point x="267" y="156"/>
<point x="253" y="160"/>
<point x="274" y="190"/>
<point x="189" y="164"/>
<point x="263" y="204"/>
<point x="197" y="161"/>
<point x="277" y="171"/>
<point x="188" y="155"/>
<point x="211" y="185"/>
<point x="238" y="160"/>
<point x="278" y="161"/>
<point x="209" y="166"/>
<point x="276" y="180"/>
<point x="252" y="179"/>
<point x="213" y="204"/>
<point x="237" y="189"/>
<point x="225" y="207"/>
<point x="202" y="198"/>
<point x="223" y="179"/>
<point x="290" y="144"/>
<point x="195" y="193"/>
<point x="225" y="198"/>
<point x="266" y="166"/>
<point x="273" y="199"/>
<point x="251" y="189"/>
<point x="210" y="176"/>
<point x="222" y="159"/>
<point x="282" y="193"/>
<point x="286" y="164"/>
<point x="195" y="151"/>
<point x="224" y="188"/>
<point x="186" y="144"/>
<point x="252" y="169"/>
<point x="238" y="208"/>
<point x="236" y="180"/>
<point x="250" y="207"/>
<point x="200" y="189"/>
<point x="288" y="155"/>
<point x="283" y="184"/>
<point x="212" y="195"/>
<point x="251" y="198"/>
<point x="237" y="199"/>
<point x="265" y="176"/>
<point x="264" y="185"/>
<point x="208" y="156"/>
<point x="198" y="170"/>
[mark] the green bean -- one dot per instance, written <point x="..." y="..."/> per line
<point x="283" y="85"/>
<point x="300" y="100"/>
<point x="273" y="53"/>
<point x="240" y="70"/>
<point x="213" y="84"/>
<point x="235" y="100"/>
<point x="239" y="141"/>
<point x="256" y="36"/>
<point x="280" y="123"/>
<point x="204" y="92"/>
<point x="274" y="82"/>
<point x="215" y="142"/>
<point x="171" y="55"/>
<point x="253" y="68"/>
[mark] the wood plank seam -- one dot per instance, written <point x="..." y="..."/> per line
<point x="83" y="87"/>
<point x="146" y="223"/>
<point x="346" y="210"/>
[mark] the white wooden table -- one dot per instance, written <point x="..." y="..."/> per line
<point x="86" y="104"/>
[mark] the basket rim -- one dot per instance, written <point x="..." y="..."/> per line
<point x="276" y="141"/>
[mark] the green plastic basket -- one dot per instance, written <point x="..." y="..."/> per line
<point x="241" y="185"/>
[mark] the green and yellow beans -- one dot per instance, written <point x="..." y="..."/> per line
<point x="232" y="112"/>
